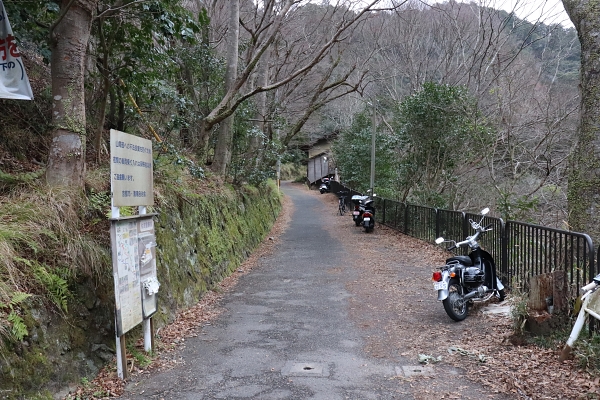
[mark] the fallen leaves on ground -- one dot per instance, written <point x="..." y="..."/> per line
<point x="395" y="302"/>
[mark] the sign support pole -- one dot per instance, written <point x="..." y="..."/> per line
<point x="147" y="323"/>
<point x="120" y="340"/>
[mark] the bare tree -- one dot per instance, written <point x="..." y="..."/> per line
<point x="516" y="71"/>
<point x="223" y="149"/>
<point x="338" y="75"/>
<point x="265" y="34"/>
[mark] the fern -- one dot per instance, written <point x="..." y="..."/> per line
<point x="16" y="299"/>
<point x="56" y="287"/>
<point x="18" y="327"/>
<point x="99" y="201"/>
<point x="27" y="177"/>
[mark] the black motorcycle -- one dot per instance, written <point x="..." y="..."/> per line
<point x="359" y="208"/>
<point x="368" y="215"/>
<point x="467" y="279"/>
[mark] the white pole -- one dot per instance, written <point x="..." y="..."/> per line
<point x="147" y="335"/>
<point x="116" y="213"/>
<point x="278" y="174"/>
<point x="146" y="324"/>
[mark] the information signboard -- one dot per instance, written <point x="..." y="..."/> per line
<point x="147" y="251"/>
<point x="130" y="170"/>
<point x="134" y="270"/>
<point x="126" y="271"/>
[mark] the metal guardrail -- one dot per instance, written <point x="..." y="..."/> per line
<point x="521" y="250"/>
<point x="534" y="250"/>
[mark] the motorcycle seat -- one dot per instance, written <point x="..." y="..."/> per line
<point x="464" y="260"/>
<point x="358" y="199"/>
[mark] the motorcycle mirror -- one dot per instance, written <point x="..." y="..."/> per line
<point x="485" y="211"/>
<point x="439" y="240"/>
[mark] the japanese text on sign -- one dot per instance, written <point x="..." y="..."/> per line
<point x="8" y="46"/>
<point x="14" y="83"/>
<point x="126" y="270"/>
<point x="131" y="170"/>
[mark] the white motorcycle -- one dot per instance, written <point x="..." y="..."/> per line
<point x="466" y="279"/>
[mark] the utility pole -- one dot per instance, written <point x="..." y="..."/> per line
<point x="373" y="134"/>
<point x="278" y="174"/>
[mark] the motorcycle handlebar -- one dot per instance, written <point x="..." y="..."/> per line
<point x="473" y="238"/>
<point x="589" y="286"/>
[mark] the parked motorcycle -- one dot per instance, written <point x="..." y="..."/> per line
<point x="325" y="185"/>
<point x="368" y="215"/>
<point x="588" y="307"/>
<point x="467" y="279"/>
<point x="359" y="208"/>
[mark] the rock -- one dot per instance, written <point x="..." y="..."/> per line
<point x="103" y="351"/>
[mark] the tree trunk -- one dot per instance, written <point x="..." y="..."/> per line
<point x="262" y="113"/>
<point x="262" y="79"/>
<point x="584" y="175"/>
<point x="68" y="42"/>
<point x="103" y="67"/>
<point x="224" y="140"/>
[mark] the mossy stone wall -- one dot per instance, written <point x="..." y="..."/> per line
<point x="201" y="239"/>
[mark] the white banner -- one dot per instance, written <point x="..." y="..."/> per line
<point x="14" y="83"/>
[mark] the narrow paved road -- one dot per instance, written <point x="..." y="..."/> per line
<point x="288" y="331"/>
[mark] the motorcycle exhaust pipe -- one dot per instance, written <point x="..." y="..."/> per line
<point x="481" y="290"/>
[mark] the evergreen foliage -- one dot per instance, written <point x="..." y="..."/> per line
<point x="437" y="134"/>
<point x="441" y="134"/>
<point x="352" y="154"/>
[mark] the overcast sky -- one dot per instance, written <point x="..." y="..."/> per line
<point x="547" y="11"/>
<point x="550" y="11"/>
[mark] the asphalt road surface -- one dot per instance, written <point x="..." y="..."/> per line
<point x="286" y="332"/>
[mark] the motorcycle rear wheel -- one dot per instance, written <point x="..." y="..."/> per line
<point x="454" y="304"/>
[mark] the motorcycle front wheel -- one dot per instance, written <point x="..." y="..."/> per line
<point x="454" y="304"/>
<point x="501" y="295"/>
